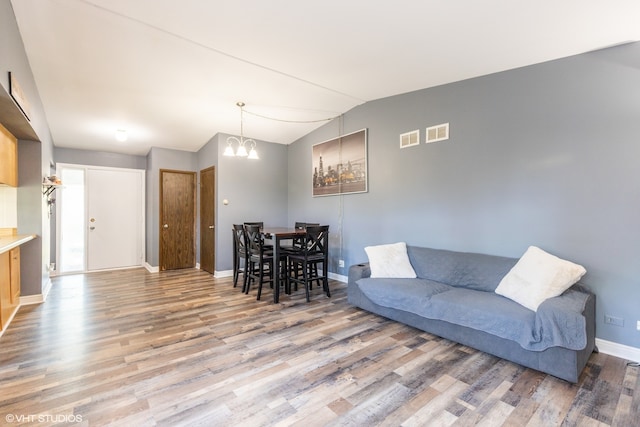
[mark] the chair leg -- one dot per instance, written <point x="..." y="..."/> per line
<point x="236" y="268"/>
<point x="245" y="275"/>
<point x="261" y="275"/>
<point x="287" y="273"/>
<point x="326" y="286"/>
<point x="250" y="277"/>
<point x="305" y="277"/>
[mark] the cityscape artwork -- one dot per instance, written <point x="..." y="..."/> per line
<point x="340" y="165"/>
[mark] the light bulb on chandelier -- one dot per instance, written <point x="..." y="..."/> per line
<point x="242" y="149"/>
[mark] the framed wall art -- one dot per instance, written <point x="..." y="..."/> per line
<point x="16" y="92"/>
<point x="340" y="165"/>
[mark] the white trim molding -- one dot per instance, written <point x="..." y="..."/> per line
<point x="618" y="350"/>
<point x="32" y="299"/>
<point x="150" y="268"/>
<point x="338" y="277"/>
<point x="223" y="273"/>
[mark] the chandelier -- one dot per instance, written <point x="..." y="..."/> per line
<point x="242" y="143"/>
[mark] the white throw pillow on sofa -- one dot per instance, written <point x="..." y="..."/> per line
<point x="537" y="276"/>
<point x="390" y="261"/>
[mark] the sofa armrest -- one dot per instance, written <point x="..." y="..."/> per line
<point x="359" y="271"/>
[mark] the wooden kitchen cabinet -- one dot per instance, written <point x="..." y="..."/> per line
<point x="9" y="284"/>
<point x="8" y="158"/>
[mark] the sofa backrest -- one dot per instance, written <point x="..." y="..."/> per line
<point x="462" y="269"/>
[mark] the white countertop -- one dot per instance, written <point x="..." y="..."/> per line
<point x="9" y="242"/>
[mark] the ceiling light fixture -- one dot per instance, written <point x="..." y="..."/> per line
<point x="242" y="149"/>
<point x="121" y="135"/>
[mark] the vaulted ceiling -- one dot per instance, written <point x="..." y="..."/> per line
<point x="170" y="72"/>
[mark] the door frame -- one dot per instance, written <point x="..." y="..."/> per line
<point x="211" y="169"/>
<point x="58" y="217"/>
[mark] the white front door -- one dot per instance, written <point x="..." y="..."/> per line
<point x="109" y="232"/>
<point x="114" y="219"/>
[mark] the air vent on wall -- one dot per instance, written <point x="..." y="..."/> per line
<point x="437" y="133"/>
<point x="409" y="139"/>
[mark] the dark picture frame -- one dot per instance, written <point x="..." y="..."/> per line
<point x="16" y="92"/>
<point x="339" y="165"/>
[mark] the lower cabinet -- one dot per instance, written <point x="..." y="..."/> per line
<point x="9" y="284"/>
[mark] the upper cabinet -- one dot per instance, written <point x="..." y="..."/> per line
<point x="8" y="158"/>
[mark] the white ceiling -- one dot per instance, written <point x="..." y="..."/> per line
<point x="171" y="71"/>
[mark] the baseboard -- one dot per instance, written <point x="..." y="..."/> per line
<point x="618" y="350"/>
<point x="150" y="268"/>
<point x="32" y="299"/>
<point x="338" y="277"/>
<point x="223" y="273"/>
<point x="47" y="288"/>
<point x="29" y="300"/>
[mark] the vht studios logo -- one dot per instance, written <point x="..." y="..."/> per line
<point x="42" y="418"/>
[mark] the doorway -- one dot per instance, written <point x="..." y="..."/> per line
<point x="100" y="218"/>
<point x="207" y="220"/>
<point x="177" y="219"/>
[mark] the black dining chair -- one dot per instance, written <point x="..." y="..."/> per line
<point x="261" y="225"/>
<point x="295" y="245"/>
<point x="262" y="267"/>
<point x="314" y="251"/>
<point x="241" y="255"/>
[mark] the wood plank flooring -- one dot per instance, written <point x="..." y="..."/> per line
<point x="132" y="348"/>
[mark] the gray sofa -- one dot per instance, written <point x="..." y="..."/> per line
<point x="453" y="297"/>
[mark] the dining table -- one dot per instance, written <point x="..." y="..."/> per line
<point x="277" y="235"/>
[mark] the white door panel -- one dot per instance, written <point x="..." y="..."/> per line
<point x="114" y="218"/>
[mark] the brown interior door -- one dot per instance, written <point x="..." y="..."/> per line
<point x="177" y="219"/>
<point x="207" y="220"/>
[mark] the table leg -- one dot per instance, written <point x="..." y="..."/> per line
<point x="276" y="269"/>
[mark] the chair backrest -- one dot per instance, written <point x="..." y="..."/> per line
<point x="317" y="239"/>
<point x="258" y="223"/>
<point x="299" y="241"/>
<point x="304" y="225"/>
<point x="254" y="239"/>
<point x="240" y="238"/>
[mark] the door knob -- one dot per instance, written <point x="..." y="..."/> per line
<point x="165" y="226"/>
<point x="211" y="227"/>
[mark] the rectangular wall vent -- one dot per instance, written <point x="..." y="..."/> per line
<point x="437" y="133"/>
<point x="409" y="139"/>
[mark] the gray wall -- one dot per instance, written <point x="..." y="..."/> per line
<point x="33" y="158"/>
<point x="256" y="191"/>
<point x="545" y="155"/>
<point x="91" y="158"/>
<point x="207" y="157"/>
<point x="99" y="158"/>
<point x="161" y="158"/>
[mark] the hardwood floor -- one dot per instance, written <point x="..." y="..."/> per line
<point x="132" y="348"/>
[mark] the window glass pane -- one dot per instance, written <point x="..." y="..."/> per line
<point x="72" y="221"/>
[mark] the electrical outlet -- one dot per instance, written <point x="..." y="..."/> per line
<point x="611" y="320"/>
<point x="638" y="325"/>
<point x="340" y="263"/>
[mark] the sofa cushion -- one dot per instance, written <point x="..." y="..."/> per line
<point x="461" y="269"/>
<point x="390" y="261"/>
<point x="558" y="322"/>
<point x="538" y="276"/>
<point x="407" y="294"/>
